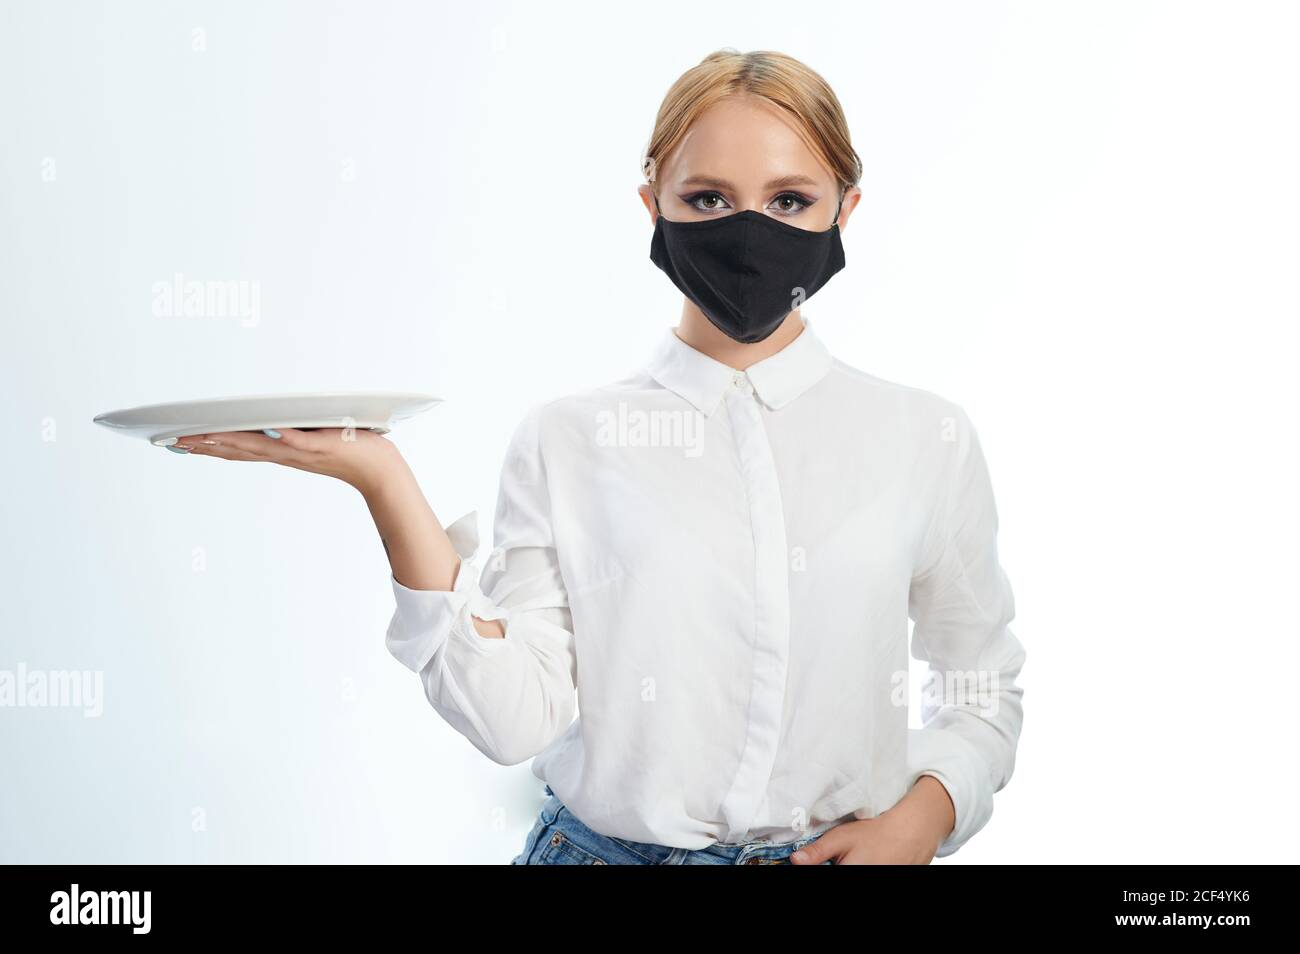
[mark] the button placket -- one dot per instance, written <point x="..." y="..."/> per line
<point x="770" y="633"/>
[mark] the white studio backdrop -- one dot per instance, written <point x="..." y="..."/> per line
<point x="1079" y="222"/>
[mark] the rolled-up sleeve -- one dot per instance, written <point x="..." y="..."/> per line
<point x="962" y="605"/>
<point x="511" y="696"/>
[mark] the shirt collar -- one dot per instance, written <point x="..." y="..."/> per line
<point x="778" y="379"/>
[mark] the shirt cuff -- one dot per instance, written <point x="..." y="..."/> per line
<point x="958" y="766"/>
<point x="423" y="619"/>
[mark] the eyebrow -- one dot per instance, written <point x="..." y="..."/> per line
<point x="779" y="183"/>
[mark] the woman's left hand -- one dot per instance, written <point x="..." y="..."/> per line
<point x="907" y="834"/>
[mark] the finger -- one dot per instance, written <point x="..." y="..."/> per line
<point x="312" y="441"/>
<point x="829" y="846"/>
<point x="228" y="446"/>
<point x="228" y="454"/>
<point x="215" y="448"/>
<point x="292" y="447"/>
<point x="249" y="442"/>
<point x="305" y="442"/>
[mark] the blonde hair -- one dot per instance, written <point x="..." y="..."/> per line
<point x="777" y="78"/>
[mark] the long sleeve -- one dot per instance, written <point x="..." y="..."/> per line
<point x="511" y="697"/>
<point x="962" y="603"/>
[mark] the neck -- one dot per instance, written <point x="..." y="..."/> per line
<point x="697" y="331"/>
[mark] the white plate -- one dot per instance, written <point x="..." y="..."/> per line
<point x="161" y="424"/>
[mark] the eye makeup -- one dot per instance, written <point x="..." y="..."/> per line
<point x="698" y="200"/>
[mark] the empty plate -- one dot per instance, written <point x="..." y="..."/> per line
<point x="368" y="410"/>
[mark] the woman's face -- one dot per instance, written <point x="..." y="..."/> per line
<point x="741" y="154"/>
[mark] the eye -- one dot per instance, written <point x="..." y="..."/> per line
<point x="706" y="201"/>
<point x="790" y="203"/>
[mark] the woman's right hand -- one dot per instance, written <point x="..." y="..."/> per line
<point x="355" y="456"/>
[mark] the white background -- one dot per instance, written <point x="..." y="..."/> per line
<point x="1079" y="222"/>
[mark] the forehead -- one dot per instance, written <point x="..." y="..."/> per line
<point x="743" y="138"/>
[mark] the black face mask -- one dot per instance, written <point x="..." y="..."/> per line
<point x="746" y="271"/>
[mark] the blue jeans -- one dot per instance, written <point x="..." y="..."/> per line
<point x="558" y="838"/>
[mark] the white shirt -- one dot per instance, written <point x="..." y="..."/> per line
<point x="716" y="568"/>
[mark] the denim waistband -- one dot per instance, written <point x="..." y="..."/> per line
<point x="736" y="848"/>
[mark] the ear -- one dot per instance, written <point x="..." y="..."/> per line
<point x="648" y="200"/>
<point x="852" y="195"/>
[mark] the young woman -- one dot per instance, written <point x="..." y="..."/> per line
<point x="715" y="559"/>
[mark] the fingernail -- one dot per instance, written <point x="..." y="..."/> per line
<point x="165" y="442"/>
<point x="271" y="432"/>
<point x="178" y="450"/>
